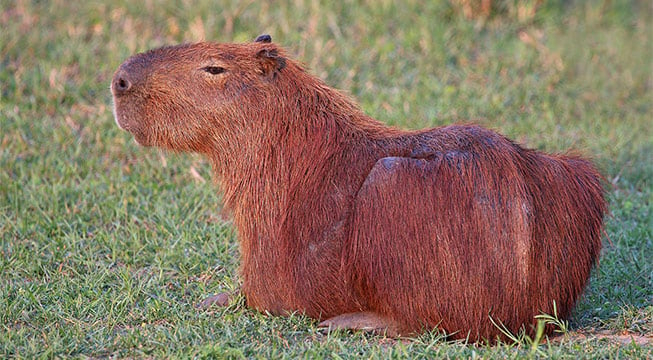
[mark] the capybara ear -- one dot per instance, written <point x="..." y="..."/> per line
<point x="270" y="60"/>
<point x="264" y="38"/>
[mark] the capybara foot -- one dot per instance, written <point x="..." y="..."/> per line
<point x="221" y="299"/>
<point x="366" y="321"/>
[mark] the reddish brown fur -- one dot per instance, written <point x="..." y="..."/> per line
<point x="338" y="213"/>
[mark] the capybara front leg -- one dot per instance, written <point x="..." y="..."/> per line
<point x="220" y="299"/>
<point x="366" y="321"/>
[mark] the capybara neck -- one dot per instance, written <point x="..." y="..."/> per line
<point x="361" y="225"/>
<point x="297" y="126"/>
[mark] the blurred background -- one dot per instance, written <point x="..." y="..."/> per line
<point x="552" y="74"/>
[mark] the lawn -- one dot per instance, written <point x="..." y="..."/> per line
<point x="105" y="246"/>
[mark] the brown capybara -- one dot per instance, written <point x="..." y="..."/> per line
<point x="361" y="225"/>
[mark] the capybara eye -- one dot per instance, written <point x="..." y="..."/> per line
<point x="214" y="70"/>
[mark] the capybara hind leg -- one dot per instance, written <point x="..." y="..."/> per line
<point x="366" y="321"/>
<point x="220" y="299"/>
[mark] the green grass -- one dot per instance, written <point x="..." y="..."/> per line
<point x="106" y="246"/>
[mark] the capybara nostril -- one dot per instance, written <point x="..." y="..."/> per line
<point x="121" y="83"/>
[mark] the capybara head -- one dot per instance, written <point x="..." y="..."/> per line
<point x="154" y="91"/>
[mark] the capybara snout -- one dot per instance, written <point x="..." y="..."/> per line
<point x="132" y="72"/>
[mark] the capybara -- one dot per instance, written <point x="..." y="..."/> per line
<point x="361" y="225"/>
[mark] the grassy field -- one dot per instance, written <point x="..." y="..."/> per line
<point x="105" y="246"/>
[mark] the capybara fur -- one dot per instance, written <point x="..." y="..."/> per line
<point x="361" y="225"/>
